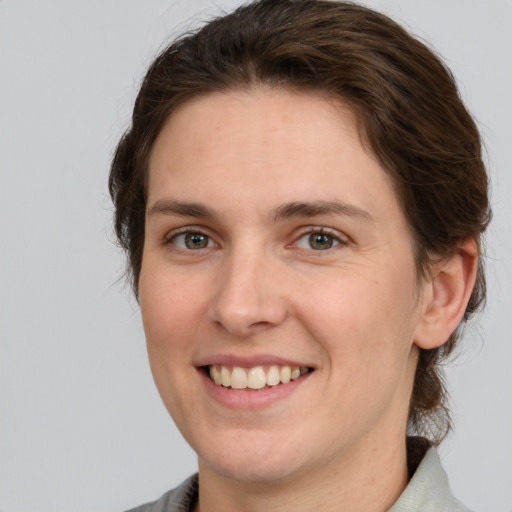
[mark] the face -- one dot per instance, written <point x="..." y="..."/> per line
<point x="278" y="287"/>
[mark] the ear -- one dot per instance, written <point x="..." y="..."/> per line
<point x="446" y="295"/>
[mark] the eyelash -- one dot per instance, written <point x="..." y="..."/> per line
<point x="308" y="232"/>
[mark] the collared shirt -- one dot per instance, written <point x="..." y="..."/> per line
<point x="427" y="491"/>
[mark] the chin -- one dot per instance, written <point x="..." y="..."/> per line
<point x="251" y="471"/>
<point x="250" y="461"/>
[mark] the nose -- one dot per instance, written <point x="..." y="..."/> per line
<point x="249" y="295"/>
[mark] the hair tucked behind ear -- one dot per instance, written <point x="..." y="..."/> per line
<point x="410" y="114"/>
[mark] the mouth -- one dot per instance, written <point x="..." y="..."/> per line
<point x="256" y="378"/>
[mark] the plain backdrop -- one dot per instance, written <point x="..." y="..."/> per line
<point x="81" y="425"/>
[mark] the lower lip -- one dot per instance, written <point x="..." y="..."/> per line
<point x="250" y="399"/>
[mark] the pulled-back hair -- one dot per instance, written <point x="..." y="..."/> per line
<point x="410" y="117"/>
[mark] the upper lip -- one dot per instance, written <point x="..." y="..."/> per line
<point x="249" y="361"/>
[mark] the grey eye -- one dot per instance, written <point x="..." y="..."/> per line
<point x="192" y="241"/>
<point x="317" y="241"/>
<point x="320" y="241"/>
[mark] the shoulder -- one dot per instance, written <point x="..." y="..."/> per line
<point x="181" y="499"/>
<point x="429" y="489"/>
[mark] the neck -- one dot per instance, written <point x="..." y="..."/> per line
<point x="368" y="480"/>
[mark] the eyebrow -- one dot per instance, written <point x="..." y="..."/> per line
<point x="183" y="208"/>
<point x="174" y="207"/>
<point x="315" y="208"/>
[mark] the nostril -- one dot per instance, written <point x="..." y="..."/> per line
<point x="260" y="325"/>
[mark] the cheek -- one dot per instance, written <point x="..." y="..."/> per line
<point x="362" y="318"/>
<point x="170" y="318"/>
<point x="168" y="309"/>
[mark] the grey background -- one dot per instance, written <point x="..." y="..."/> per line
<point x="81" y="425"/>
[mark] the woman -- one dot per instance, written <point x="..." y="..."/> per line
<point x="301" y="195"/>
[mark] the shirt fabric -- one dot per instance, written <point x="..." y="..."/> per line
<point x="427" y="491"/>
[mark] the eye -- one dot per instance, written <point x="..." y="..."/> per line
<point x="318" y="241"/>
<point x="192" y="240"/>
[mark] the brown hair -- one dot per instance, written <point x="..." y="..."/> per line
<point x="410" y="114"/>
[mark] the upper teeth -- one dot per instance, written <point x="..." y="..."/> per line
<point x="254" y="378"/>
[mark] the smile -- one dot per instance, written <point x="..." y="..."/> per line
<point x="254" y="378"/>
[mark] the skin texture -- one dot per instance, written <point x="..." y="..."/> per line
<point x="257" y="292"/>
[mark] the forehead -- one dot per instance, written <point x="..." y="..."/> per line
<point x="263" y="136"/>
<point x="257" y="115"/>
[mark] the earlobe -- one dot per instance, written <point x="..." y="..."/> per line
<point x="446" y="295"/>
